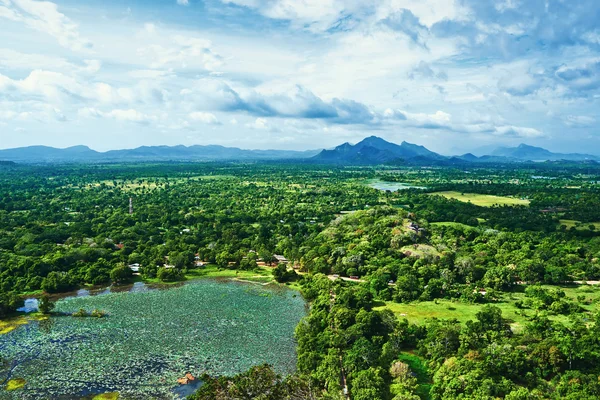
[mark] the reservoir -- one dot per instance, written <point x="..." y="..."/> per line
<point x="150" y="338"/>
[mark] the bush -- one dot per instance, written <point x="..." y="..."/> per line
<point x="45" y="306"/>
<point x="80" y="314"/>
<point x="58" y="282"/>
<point x="9" y="302"/>
<point x="169" y="275"/>
<point x="281" y="274"/>
<point x="121" y="274"/>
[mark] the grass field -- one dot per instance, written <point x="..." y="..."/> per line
<point x="420" y="312"/>
<point x="483" y="200"/>
<point x="569" y="223"/>
<point x="261" y="274"/>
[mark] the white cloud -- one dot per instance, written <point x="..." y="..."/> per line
<point x="262" y="124"/>
<point x="259" y="123"/>
<point x="427" y="11"/>
<point x="518" y="131"/>
<point x="474" y="124"/>
<point x="13" y="115"/>
<point x="148" y="74"/>
<point x="182" y="52"/>
<point x="327" y="71"/>
<point x="579" y="121"/>
<point x="16" y="60"/>
<point x="518" y="83"/>
<point x="44" y="17"/>
<point x="204" y="117"/>
<point x="315" y="15"/>
<point x="129" y="115"/>
<point x="183" y="2"/>
<point x="592" y="36"/>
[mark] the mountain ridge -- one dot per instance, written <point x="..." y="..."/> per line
<point x="371" y="150"/>
<point x="533" y="153"/>
<point x="35" y="154"/>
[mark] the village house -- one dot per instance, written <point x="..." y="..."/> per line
<point x="134" y="267"/>
<point x="280" y="259"/>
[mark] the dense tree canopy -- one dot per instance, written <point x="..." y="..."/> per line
<point x="62" y="227"/>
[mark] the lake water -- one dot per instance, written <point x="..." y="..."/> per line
<point x="150" y="338"/>
<point x="392" y="186"/>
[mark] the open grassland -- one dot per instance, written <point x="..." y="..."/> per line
<point x="422" y="311"/>
<point x="581" y="226"/>
<point x="260" y="275"/>
<point x="483" y="200"/>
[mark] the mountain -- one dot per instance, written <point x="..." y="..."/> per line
<point x="374" y="150"/>
<point x="531" y="153"/>
<point x="44" y="154"/>
<point x="370" y="151"/>
<point x="48" y="154"/>
<point x="468" y="157"/>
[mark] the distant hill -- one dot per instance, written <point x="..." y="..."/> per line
<point x="44" y="154"/>
<point x="48" y="154"/>
<point x="374" y="150"/>
<point x="370" y="151"/>
<point x="531" y="153"/>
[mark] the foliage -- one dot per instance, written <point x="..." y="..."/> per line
<point x="282" y="274"/>
<point x="45" y="305"/>
<point x="9" y="302"/>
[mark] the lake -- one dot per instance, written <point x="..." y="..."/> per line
<point x="149" y="338"/>
<point x="392" y="186"/>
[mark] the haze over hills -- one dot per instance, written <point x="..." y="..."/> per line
<point x="370" y="151"/>
<point x="531" y="153"/>
<point x="43" y="154"/>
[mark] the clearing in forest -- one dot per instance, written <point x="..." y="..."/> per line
<point x="569" y="223"/>
<point x="483" y="200"/>
<point x="420" y="312"/>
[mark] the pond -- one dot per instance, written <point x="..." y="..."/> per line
<point x="150" y="338"/>
<point x="392" y="186"/>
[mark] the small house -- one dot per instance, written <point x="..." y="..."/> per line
<point x="134" y="267"/>
<point x="280" y="259"/>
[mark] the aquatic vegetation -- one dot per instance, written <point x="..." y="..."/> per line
<point x="82" y="313"/>
<point x="107" y="396"/>
<point x="149" y="339"/>
<point x="9" y="325"/>
<point x="15" y="384"/>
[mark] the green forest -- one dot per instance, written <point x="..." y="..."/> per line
<point x="413" y="294"/>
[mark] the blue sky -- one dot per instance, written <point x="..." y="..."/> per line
<point x="453" y="75"/>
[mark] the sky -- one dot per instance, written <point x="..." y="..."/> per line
<point x="452" y="75"/>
